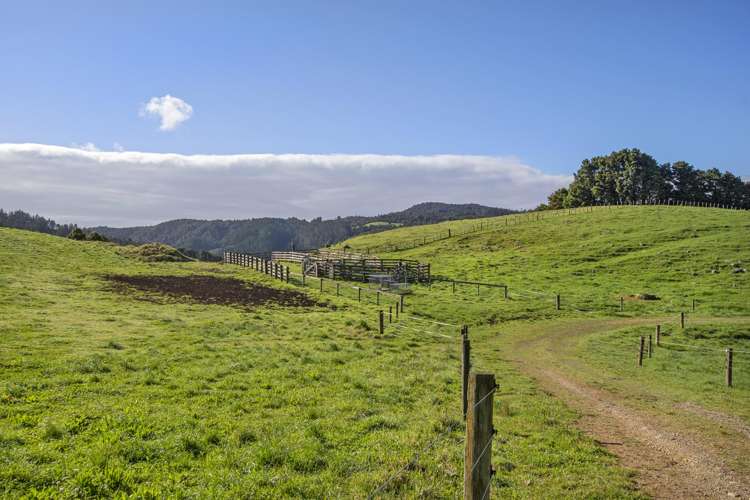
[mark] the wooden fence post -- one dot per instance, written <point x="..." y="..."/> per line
<point x="557" y="301"/>
<point x="682" y="319"/>
<point x="650" y="346"/>
<point x="380" y="321"/>
<point x="397" y="308"/>
<point x="454" y="286"/>
<point x="640" y="351"/>
<point x="359" y="294"/>
<point x="321" y="284"/>
<point x="287" y="274"/>
<point x="465" y="368"/>
<point x="506" y="290"/>
<point x="658" y="335"/>
<point x="479" y="433"/>
<point x="693" y="305"/>
<point x="622" y="304"/>
<point x="729" y="367"/>
<point x="377" y="297"/>
<point x="390" y="314"/>
<point x="337" y="289"/>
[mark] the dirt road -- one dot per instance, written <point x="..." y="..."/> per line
<point x="671" y="459"/>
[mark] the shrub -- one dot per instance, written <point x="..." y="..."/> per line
<point x="77" y="234"/>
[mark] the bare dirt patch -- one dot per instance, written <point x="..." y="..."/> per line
<point x="212" y="290"/>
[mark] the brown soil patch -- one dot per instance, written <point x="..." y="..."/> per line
<point x="212" y="290"/>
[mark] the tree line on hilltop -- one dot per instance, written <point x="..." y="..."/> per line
<point x="631" y="176"/>
<point x="18" y="219"/>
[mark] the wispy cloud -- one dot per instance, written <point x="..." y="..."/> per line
<point x="129" y="187"/>
<point x="171" y="110"/>
<point x="86" y="146"/>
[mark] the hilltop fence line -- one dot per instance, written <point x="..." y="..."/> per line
<point x="515" y="219"/>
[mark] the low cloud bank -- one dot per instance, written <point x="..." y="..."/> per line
<point x="123" y="188"/>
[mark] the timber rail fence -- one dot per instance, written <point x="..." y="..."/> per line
<point x="354" y="267"/>
<point x="284" y="273"/>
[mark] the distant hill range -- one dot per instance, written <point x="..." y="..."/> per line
<point x="267" y="234"/>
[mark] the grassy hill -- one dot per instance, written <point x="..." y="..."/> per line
<point x="111" y="389"/>
<point x="590" y="258"/>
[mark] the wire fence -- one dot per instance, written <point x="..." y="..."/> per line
<point x="426" y="326"/>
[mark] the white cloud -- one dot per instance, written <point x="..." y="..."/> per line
<point x="171" y="110"/>
<point x="131" y="188"/>
<point x="86" y="146"/>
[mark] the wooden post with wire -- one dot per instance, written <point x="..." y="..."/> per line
<point x="390" y="314"/>
<point x="557" y="302"/>
<point x="650" y="346"/>
<point x="658" y="335"/>
<point x="380" y="321"/>
<point x="729" y="367"/>
<point x="693" y="305"/>
<point x="377" y="297"/>
<point x="397" y="308"/>
<point x="479" y="433"/>
<point x="682" y="319"/>
<point x="465" y="366"/>
<point x="506" y="291"/>
<point x="640" y="351"/>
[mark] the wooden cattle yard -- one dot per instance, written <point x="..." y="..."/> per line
<point x="348" y="267"/>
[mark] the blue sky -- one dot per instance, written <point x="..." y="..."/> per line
<point x="546" y="83"/>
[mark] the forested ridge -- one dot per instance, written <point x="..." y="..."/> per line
<point x="201" y="238"/>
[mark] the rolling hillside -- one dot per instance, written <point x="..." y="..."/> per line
<point x="158" y="379"/>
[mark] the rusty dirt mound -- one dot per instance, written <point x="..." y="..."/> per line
<point x="212" y="290"/>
